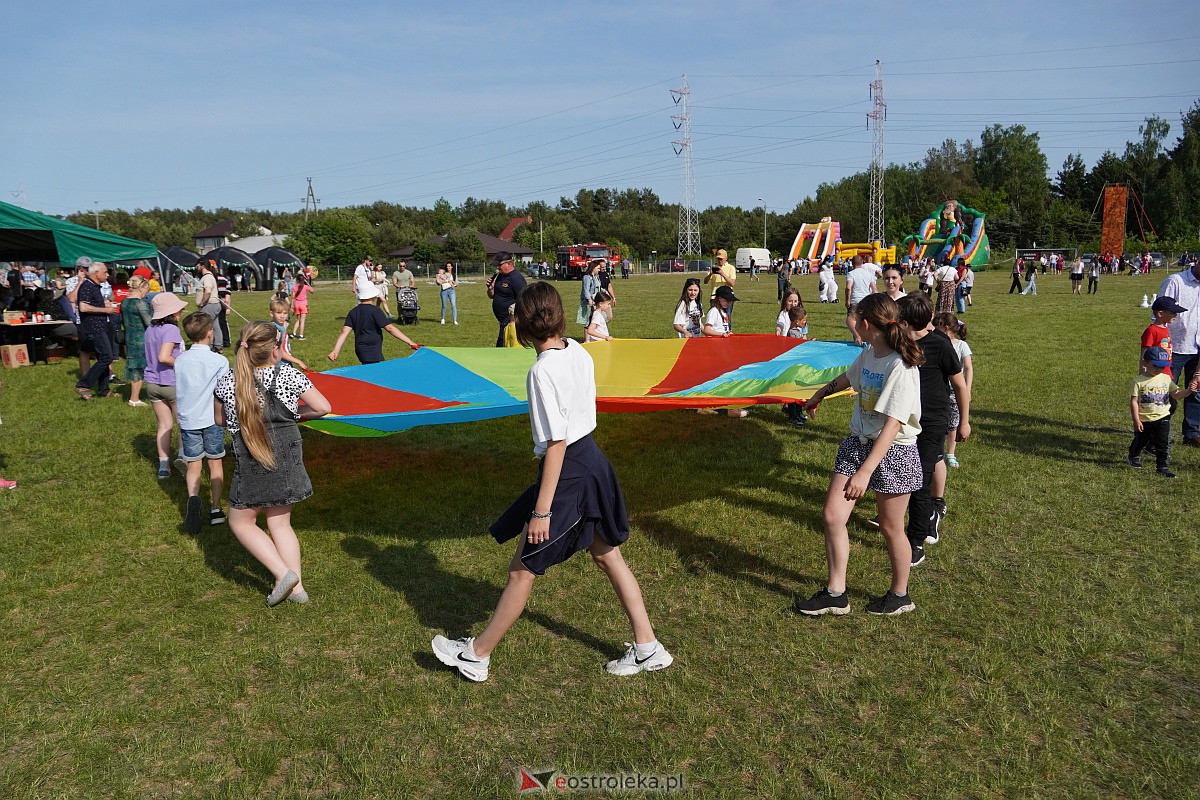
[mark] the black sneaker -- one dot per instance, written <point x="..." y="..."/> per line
<point x="191" y="520"/>
<point x="1135" y="462"/>
<point x="935" y="521"/>
<point x="891" y="604"/>
<point x="918" y="554"/>
<point x="873" y="522"/>
<point x="216" y="516"/>
<point x="1166" y="473"/>
<point x="823" y="603"/>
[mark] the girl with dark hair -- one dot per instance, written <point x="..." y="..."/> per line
<point x="597" y="329"/>
<point x="577" y="503"/>
<point x="879" y="455"/>
<point x="687" y="311"/>
<point x="260" y="403"/>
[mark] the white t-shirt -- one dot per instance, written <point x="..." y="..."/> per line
<point x="858" y="283"/>
<point x="946" y="273"/>
<point x="718" y="320"/>
<point x="968" y="279"/>
<point x="600" y="323"/>
<point x="363" y="277"/>
<point x="962" y="349"/>
<point x="562" y="396"/>
<point x="886" y="388"/>
<point x="687" y="314"/>
<point x="782" y="323"/>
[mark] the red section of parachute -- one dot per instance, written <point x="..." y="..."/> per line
<point x="703" y="360"/>
<point x="359" y="397"/>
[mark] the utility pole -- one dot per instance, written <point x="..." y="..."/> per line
<point x="310" y="200"/>
<point x="764" y="205"/>
<point x="96" y="211"/>
<point x="875" y="120"/>
<point x="689" y="222"/>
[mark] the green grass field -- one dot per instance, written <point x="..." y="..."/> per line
<point x="1053" y="652"/>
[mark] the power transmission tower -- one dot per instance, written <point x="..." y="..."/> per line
<point x="310" y="200"/>
<point x="875" y="120"/>
<point x="19" y="195"/>
<point x="689" y="222"/>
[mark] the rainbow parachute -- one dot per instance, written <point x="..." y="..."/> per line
<point x="437" y="386"/>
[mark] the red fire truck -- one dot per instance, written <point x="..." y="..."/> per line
<point x="570" y="260"/>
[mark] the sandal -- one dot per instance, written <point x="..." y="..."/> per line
<point x="83" y="392"/>
<point x="136" y="403"/>
<point x="951" y="460"/>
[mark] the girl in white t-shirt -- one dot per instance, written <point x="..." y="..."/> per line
<point x="576" y="504"/>
<point x="880" y="454"/>
<point x="717" y="323"/>
<point x="791" y="299"/>
<point x="687" y="312"/>
<point x="597" y="329"/>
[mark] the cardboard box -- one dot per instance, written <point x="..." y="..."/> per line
<point x="14" y="316"/>
<point x="14" y="355"/>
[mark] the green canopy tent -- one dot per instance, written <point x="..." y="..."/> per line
<point x="30" y="236"/>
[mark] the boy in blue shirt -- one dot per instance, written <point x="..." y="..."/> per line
<point x="200" y="437"/>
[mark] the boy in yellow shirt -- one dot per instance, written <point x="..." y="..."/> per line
<point x="1150" y="406"/>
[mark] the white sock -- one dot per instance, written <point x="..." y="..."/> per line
<point x="644" y="650"/>
<point x="832" y="593"/>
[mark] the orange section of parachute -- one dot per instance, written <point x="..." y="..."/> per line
<point x="703" y="360"/>
<point x="359" y="397"/>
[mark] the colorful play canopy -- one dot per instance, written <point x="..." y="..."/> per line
<point x="442" y="385"/>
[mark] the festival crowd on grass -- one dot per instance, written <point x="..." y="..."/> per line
<point x="912" y="385"/>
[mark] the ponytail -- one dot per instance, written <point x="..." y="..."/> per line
<point x="254" y="347"/>
<point x="882" y="313"/>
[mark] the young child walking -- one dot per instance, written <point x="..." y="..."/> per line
<point x="201" y="439"/>
<point x="1150" y="406"/>
<point x="300" y="293"/>
<point x="259" y="404"/>
<point x="956" y="331"/>
<point x="163" y="344"/>
<point x="280" y="308"/>
<point x="368" y="324"/>
<point x="879" y="455"/>
<point x="597" y="329"/>
<point x="577" y="503"/>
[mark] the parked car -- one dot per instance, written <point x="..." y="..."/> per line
<point x="699" y="265"/>
<point x="670" y="265"/>
<point x="1157" y="260"/>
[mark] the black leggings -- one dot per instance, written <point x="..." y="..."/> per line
<point x="1016" y="283"/>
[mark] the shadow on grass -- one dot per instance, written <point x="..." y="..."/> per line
<point x="448" y="602"/>
<point x="1046" y="438"/>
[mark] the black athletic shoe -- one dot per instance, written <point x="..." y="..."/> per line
<point x="918" y="554"/>
<point x="935" y="521"/>
<point x="891" y="604"/>
<point x="1166" y="473"/>
<point x="216" y="516"/>
<point x="823" y="603"/>
<point x="1135" y="462"/>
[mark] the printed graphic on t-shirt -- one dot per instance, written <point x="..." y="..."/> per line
<point x="870" y="387"/>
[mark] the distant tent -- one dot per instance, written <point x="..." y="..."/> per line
<point x="232" y="261"/>
<point x="274" y="260"/>
<point x="173" y="260"/>
<point x="30" y="236"/>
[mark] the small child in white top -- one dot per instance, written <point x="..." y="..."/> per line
<point x="597" y="329"/>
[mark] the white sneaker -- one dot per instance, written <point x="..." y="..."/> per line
<point x="460" y="654"/>
<point x="738" y="413"/>
<point x="630" y="664"/>
<point x="443" y="322"/>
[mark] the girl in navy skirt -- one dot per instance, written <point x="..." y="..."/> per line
<point x="259" y="402"/>
<point x="576" y="503"/>
<point x="880" y="454"/>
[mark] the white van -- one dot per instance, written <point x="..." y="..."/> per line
<point x="761" y="256"/>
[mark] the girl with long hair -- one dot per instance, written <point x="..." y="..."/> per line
<point x="576" y="504"/>
<point x="259" y="402"/>
<point x="687" y="311"/>
<point x="879" y="455"/>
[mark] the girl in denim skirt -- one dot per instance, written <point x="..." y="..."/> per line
<point x="259" y="402"/>
<point x="879" y="455"/>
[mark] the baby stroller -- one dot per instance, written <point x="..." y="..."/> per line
<point x="407" y="306"/>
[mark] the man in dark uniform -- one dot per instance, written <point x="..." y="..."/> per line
<point x="503" y="287"/>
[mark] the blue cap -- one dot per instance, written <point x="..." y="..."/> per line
<point x="1157" y="356"/>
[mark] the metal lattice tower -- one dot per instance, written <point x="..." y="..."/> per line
<point x="310" y="201"/>
<point x="875" y="120"/>
<point x="689" y="222"/>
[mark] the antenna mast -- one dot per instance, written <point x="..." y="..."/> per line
<point x="689" y="223"/>
<point x="875" y="120"/>
<point x="310" y="201"/>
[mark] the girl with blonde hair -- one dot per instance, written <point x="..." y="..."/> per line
<point x="259" y="402"/>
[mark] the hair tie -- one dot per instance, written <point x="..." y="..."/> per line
<point x="891" y="322"/>
<point x="244" y="345"/>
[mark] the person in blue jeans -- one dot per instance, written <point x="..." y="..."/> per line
<point x="446" y="283"/>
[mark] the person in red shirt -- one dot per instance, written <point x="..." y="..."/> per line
<point x="1158" y="333"/>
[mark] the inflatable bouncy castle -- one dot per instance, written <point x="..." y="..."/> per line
<point x="953" y="231"/>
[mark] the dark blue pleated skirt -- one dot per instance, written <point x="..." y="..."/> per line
<point x="588" y="502"/>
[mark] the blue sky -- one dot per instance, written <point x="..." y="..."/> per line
<point x="159" y="104"/>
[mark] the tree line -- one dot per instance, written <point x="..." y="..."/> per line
<point x="1006" y="175"/>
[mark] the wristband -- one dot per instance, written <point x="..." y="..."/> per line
<point x="539" y="515"/>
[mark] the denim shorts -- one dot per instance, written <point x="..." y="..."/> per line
<point x="203" y="443"/>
